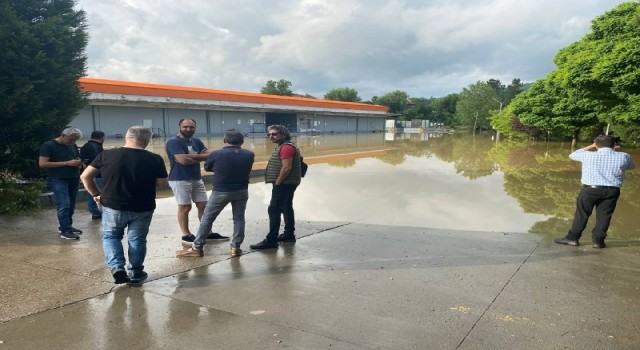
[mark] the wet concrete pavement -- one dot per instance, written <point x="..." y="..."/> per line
<point x="341" y="286"/>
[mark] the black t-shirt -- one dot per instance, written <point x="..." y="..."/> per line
<point x="129" y="176"/>
<point x="58" y="152"/>
<point x="90" y="151"/>
<point x="231" y="166"/>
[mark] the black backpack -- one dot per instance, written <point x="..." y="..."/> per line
<point x="303" y="167"/>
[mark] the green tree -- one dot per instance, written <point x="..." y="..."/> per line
<point x="42" y="46"/>
<point x="474" y="106"/>
<point x="343" y="94"/>
<point x="597" y="82"/>
<point x="604" y="65"/>
<point x="395" y="100"/>
<point x="281" y="87"/>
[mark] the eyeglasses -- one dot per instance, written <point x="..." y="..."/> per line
<point x="269" y="134"/>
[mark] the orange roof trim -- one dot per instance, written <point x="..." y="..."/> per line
<point x="144" y="89"/>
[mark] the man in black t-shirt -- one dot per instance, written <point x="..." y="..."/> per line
<point x="130" y="175"/>
<point x="61" y="159"/>
<point x="88" y="152"/>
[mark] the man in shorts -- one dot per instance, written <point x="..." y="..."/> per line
<point x="185" y="153"/>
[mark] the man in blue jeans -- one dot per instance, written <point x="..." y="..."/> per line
<point x="61" y="158"/>
<point x="231" y="166"/>
<point x="88" y="152"/>
<point x="130" y="176"/>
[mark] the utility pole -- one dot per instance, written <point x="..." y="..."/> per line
<point x="499" y="112"/>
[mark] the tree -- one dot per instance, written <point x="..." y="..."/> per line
<point x="281" y="87"/>
<point x="604" y="64"/>
<point x="395" y="100"/>
<point x="42" y="46"/>
<point x="343" y="94"/>
<point x="474" y="105"/>
<point x="597" y="82"/>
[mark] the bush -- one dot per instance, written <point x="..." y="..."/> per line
<point x="17" y="195"/>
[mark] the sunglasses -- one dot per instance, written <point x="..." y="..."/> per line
<point x="272" y="133"/>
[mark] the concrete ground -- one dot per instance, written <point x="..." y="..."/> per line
<point x="341" y="286"/>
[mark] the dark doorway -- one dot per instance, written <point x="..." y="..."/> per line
<point x="286" y="119"/>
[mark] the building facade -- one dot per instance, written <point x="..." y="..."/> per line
<point x="115" y="105"/>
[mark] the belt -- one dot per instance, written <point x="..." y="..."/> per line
<point x="592" y="186"/>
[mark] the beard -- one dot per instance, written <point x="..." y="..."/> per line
<point x="187" y="134"/>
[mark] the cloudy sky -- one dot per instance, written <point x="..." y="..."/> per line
<point x="428" y="48"/>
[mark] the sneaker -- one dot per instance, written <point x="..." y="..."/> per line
<point x="264" y="245"/>
<point x="96" y="216"/>
<point x="598" y="245"/>
<point x="286" y="238"/>
<point x="216" y="237"/>
<point x="120" y="276"/>
<point x="236" y="252"/>
<point x="68" y="235"/>
<point x="565" y="240"/>
<point x="191" y="252"/>
<point x="188" y="238"/>
<point x="139" y="278"/>
<point x="73" y="230"/>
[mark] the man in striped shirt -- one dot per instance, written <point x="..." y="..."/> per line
<point x="602" y="175"/>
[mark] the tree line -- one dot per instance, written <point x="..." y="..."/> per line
<point x="595" y="87"/>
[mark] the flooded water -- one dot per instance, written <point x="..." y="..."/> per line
<point x="455" y="181"/>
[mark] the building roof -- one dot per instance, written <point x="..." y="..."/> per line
<point x="124" y="92"/>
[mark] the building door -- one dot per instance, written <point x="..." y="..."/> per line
<point x="289" y="120"/>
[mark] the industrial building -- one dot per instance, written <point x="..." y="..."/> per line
<point x="113" y="106"/>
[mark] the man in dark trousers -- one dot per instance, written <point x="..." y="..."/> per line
<point x="88" y="152"/>
<point x="284" y="172"/>
<point x="61" y="158"/>
<point x="231" y="167"/>
<point x="602" y="175"/>
<point x="131" y="175"/>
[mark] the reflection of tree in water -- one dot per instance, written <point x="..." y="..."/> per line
<point x="393" y="157"/>
<point x="467" y="153"/>
<point x="471" y="156"/>
<point x="345" y="163"/>
<point x="544" y="181"/>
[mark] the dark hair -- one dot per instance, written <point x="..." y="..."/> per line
<point x="97" y="134"/>
<point x="183" y="119"/>
<point x="282" y="130"/>
<point x="604" y="141"/>
<point x="234" y="137"/>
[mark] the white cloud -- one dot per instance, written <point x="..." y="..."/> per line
<point x="427" y="48"/>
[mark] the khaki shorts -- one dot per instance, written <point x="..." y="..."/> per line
<point x="187" y="191"/>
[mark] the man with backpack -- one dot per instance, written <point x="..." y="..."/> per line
<point x="284" y="171"/>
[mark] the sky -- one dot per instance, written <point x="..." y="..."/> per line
<point x="427" y="48"/>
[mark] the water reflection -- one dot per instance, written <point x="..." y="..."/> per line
<point x="446" y="181"/>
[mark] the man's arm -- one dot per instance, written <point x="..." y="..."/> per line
<point x="88" y="176"/>
<point x="44" y="162"/>
<point x="577" y="154"/>
<point x="161" y="182"/>
<point x="287" y="164"/>
<point x="177" y="152"/>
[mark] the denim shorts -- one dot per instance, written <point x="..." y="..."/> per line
<point x="187" y="191"/>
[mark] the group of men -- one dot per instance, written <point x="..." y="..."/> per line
<point x="121" y="184"/>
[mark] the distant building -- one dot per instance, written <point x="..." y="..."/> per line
<point x="115" y="105"/>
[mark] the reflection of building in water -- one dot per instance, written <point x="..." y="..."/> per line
<point x="415" y="126"/>
<point x="115" y="105"/>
